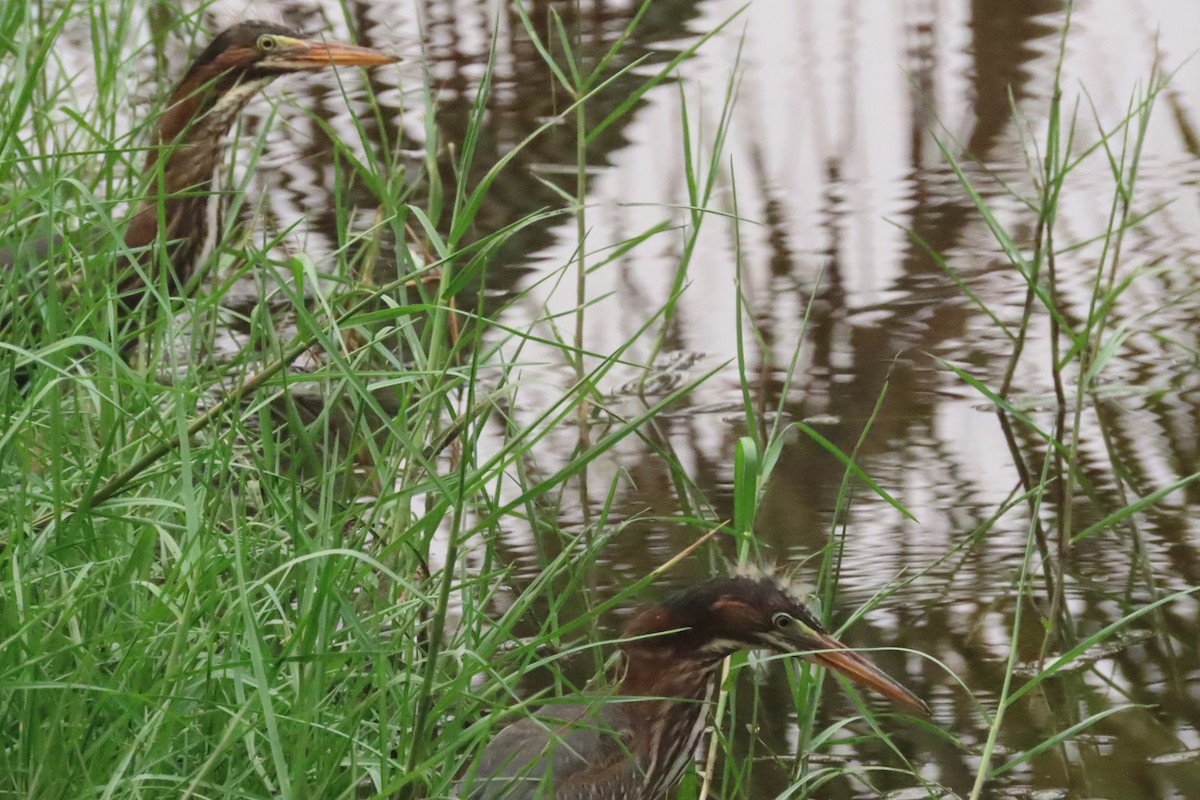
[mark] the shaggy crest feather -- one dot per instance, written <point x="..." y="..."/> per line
<point x="787" y="577"/>
<point x="220" y="17"/>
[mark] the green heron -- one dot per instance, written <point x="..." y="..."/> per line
<point x="637" y="745"/>
<point x="184" y="208"/>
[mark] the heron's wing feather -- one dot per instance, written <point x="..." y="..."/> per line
<point x="556" y="752"/>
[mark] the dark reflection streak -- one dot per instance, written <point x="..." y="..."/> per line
<point x="1187" y="128"/>
<point x="921" y="66"/>
<point x="995" y="40"/>
<point x="830" y="294"/>
<point x="846" y="157"/>
<point x="997" y="36"/>
<point x="1002" y="35"/>
<point x="782" y="265"/>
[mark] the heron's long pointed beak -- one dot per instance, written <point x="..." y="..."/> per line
<point x="314" y="54"/>
<point x="831" y="653"/>
<point x="347" y="55"/>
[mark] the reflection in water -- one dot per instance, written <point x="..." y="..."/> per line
<point x="843" y="191"/>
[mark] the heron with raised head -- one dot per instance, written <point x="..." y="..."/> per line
<point x="183" y="208"/>
<point x="637" y="745"/>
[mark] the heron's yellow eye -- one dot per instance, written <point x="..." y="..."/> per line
<point x="267" y="43"/>
<point x="782" y="621"/>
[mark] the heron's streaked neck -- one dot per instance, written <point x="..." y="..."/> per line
<point x="680" y="689"/>
<point x="190" y="132"/>
<point x="181" y="169"/>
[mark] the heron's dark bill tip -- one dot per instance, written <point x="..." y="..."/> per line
<point x="861" y="670"/>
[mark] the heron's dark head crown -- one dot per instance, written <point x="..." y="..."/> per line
<point x="723" y="615"/>
<point x="243" y="35"/>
